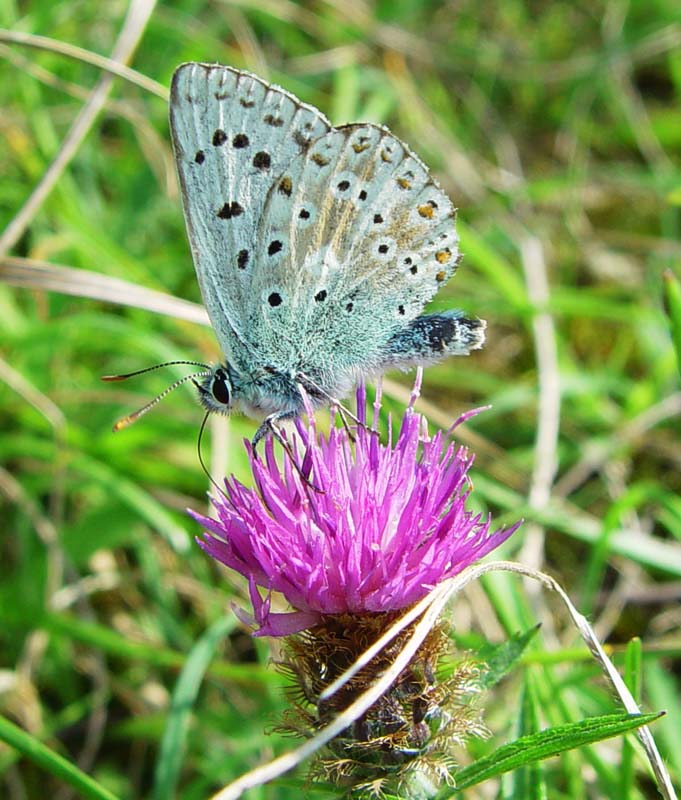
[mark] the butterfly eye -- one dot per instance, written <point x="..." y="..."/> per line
<point x="220" y="387"/>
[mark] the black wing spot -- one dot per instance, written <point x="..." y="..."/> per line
<point x="414" y="269"/>
<point x="401" y="310"/>
<point x="242" y="259"/>
<point x="349" y="307"/>
<point x="362" y="195"/>
<point x="219" y="137"/>
<point x="274" y="247"/>
<point x="230" y="210"/>
<point x="383" y="249"/>
<point x="304" y="213"/>
<point x="275" y="122"/>
<point x="343" y="186"/>
<point x="246" y="103"/>
<point x="200" y="157"/>
<point x="240" y="140"/>
<point x="274" y="299"/>
<point x="302" y="141"/>
<point x="320" y="296"/>
<point x="262" y="160"/>
<point x="378" y="219"/>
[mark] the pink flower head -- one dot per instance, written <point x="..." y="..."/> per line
<point x="389" y="523"/>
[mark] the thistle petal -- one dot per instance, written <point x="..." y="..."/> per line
<point x="389" y="524"/>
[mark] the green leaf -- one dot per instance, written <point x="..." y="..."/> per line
<point x="500" y="659"/>
<point x="546" y="743"/>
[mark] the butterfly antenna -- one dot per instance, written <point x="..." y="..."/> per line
<point x="201" y="461"/>
<point x="127" y="375"/>
<point x="130" y="418"/>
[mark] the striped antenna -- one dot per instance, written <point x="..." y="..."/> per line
<point x="124" y="422"/>
<point x="126" y="375"/>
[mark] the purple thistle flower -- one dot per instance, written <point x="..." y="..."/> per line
<point x="389" y="524"/>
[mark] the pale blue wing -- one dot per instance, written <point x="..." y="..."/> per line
<point x="233" y="135"/>
<point x="351" y="252"/>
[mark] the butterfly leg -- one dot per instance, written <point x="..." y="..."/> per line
<point x="348" y="430"/>
<point x="269" y="426"/>
<point x="343" y="410"/>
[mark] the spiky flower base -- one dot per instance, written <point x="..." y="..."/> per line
<point x="403" y="744"/>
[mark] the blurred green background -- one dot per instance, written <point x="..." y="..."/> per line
<point x="556" y="129"/>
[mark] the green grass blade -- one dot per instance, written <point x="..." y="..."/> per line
<point x="496" y="268"/>
<point x="528" y="782"/>
<point x="115" y="644"/>
<point x="632" y="677"/>
<point x="672" y="302"/>
<point x="171" y="756"/>
<point x="51" y="762"/>
<point x="662" y="691"/>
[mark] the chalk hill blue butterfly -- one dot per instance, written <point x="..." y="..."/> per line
<point x="316" y="247"/>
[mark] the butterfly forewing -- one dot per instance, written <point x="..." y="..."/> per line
<point x="233" y="134"/>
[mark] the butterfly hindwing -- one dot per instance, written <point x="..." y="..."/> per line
<point x="350" y="253"/>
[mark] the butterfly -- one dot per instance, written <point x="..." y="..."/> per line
<point x="316" y="247"/>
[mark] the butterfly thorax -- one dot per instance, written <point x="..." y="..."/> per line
<point x="268" y="391"/>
